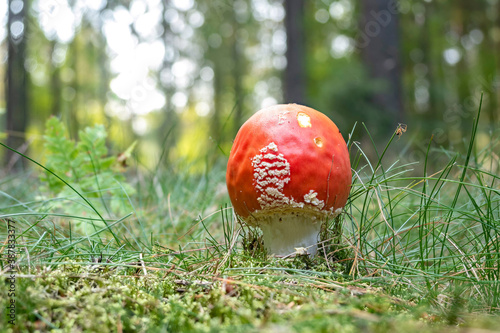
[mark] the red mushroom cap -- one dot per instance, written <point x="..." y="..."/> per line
<point x="288" y="159"/>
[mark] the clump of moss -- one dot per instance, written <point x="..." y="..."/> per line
<point x="252" y="295"/>
<point x="333" y="255"/>
<point x="72" y="299"/>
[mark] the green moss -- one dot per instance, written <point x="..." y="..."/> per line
<point x="260" y="296"/>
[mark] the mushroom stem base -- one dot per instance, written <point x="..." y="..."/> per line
<point x="283" y="234"/>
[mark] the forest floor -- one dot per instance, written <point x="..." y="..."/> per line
<point x="223" y="294"/>
<point x="86" y="249"/>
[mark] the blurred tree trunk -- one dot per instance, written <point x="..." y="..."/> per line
<point x="495" y="114"/>
<point x="71" y="114"/>
<point x="169" y="126"/>
<point x="435" y="102"/>
<point x="215" y="123"/>
<point x="239" y="95"/>
<point x="55" y="81"/>
<point x="492" y="74"/>
<point x="294" y="90"/>
<point x="380" y="51"/>
<point x="459" y="24"/>
<point x="16" y="85"/>
<point x="238" y="89"/>
<point x="104" y="80"/>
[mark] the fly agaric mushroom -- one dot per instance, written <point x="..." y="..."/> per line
<point x="288" y="172"/>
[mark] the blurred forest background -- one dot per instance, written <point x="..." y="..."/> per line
<point x="181" y="76"/>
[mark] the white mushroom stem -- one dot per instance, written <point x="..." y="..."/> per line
<point x="284" y="233"/>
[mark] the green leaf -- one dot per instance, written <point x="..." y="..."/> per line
<point x="86" y="165"/>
